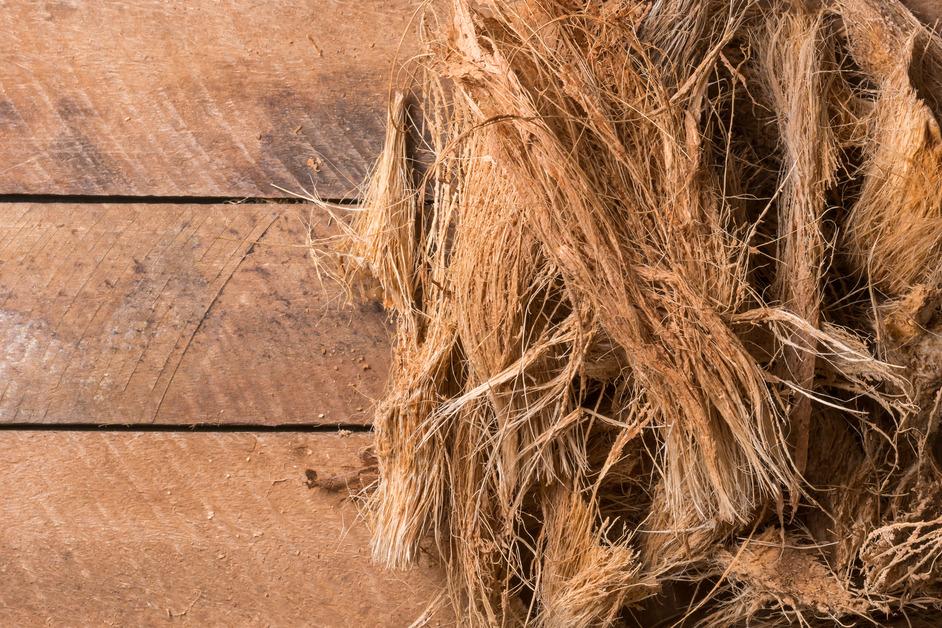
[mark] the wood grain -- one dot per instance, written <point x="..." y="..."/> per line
<point x="181" y="98"/>
<point x="193" y="529"/>
<point x="178" y="314"/>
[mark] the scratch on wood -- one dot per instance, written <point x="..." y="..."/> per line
<point x="204" y="332"/>
<point x="272" y="218"/>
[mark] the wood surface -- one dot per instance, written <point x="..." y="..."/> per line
<point x="194" y="98"/>
<point x="195" y="529"/>
<point x="175" y="314"/>
<point x="178" y="314"/>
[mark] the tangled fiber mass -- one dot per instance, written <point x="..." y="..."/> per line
<point x="666" y="278"/>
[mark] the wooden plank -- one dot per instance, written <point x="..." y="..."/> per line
<point x="178" y="314"/>
<point x="174" y="97"/>
<point x="196" y="529"/>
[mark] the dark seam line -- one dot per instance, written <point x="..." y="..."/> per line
<point x="321" y="428"/>
<point x="163" y="200"/>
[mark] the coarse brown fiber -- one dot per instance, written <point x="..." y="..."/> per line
<point x="667" y="293"/>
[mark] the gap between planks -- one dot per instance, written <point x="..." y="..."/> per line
<point x="104" y="199"/>
<point x="197" y="428"/>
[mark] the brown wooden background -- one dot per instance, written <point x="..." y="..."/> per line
<point x="170" y="365"/>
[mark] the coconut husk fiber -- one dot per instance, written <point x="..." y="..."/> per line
<point x="666" y="283"/>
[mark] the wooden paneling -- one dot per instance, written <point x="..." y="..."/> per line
<point x="178" y="314"/>
<point x="195" y="529"/>
<point x="204" y="97"/>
